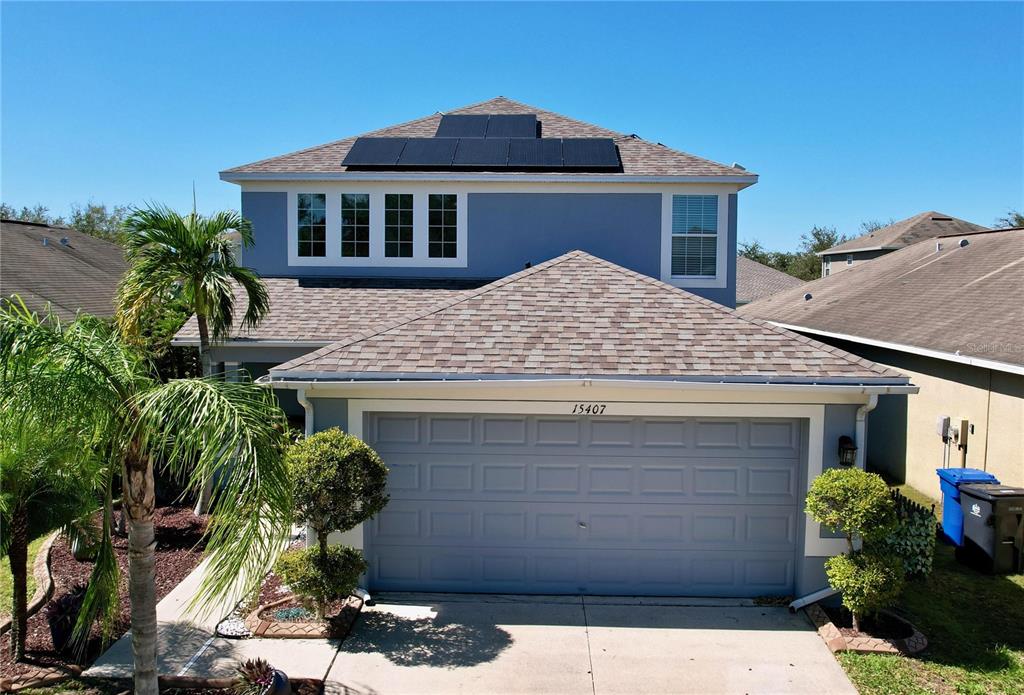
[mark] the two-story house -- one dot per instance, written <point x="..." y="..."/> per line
<point x="529" y="317"/>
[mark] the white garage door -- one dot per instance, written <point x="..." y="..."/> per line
<point x="601" y="505"/>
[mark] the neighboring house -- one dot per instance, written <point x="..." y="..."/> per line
<point x="532" y="329"/>
<point x="897" y="235"/>
<point x="756" y="280"/>
<point x="948" y="312"/>
<point x="59" y="267"/>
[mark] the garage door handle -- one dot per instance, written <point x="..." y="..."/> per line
<point x="581" y="524"/>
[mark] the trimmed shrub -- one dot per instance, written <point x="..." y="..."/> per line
<point x="913" y="537"/>
<point x="852" y="502"/>
<point x="868" y="581"/>
<point x="318" y="577"/>
<point x="338" y="481"/>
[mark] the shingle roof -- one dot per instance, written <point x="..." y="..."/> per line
<point x="322" y="310"/>
<point x="756" y="280"/>
<point x="962" y="300"/>
<point x="639" y="157"/>
<point x="578" y="315"/>
<point x="80" y="275"/>
<point x="926" y="225"/>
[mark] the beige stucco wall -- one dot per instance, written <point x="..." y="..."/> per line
<point x="839" y="263"/>
<point x="902" y="438"/>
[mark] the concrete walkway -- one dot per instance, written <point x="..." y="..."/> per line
<point x="588" y="646"/>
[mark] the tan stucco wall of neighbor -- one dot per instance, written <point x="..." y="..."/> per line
<point x="902" y="437"/>
<point x="839" y="263"/>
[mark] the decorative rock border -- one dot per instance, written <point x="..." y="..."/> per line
<point x="44" y="581"/>
<point x="838" y="642"/>
<point x="260" y="627"/>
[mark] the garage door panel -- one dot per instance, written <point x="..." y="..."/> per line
<point x="541" y="504"/>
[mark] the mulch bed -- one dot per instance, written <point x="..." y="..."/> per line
<point x="266" y="619"/>
<point x="884" y="625"/>
<point x="178" y="537"/>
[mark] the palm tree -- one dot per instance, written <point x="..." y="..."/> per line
<point x="46" y="481"/>
<point x="86" y="372"/>
<point x="191" y="257"/>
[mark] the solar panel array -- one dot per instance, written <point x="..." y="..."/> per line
<point x="582" y="154"/>
<point x="520" y="125"/>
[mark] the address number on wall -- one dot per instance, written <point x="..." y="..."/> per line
<point x="588" y="408"/>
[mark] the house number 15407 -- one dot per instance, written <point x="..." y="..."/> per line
<point x="588" y="408"/>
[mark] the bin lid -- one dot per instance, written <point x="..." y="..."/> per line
<point x="958" y="476"/>
<point x="992" y="492"/>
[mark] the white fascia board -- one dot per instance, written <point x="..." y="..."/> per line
<point x="912" y="349"/>
<point x="253" y="342"/>
<point x="830" y="252"/>
<point x="241" y="177"/>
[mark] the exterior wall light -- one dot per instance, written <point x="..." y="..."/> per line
<point x="847" y="451"/>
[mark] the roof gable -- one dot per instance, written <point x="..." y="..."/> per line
<point x="639" y="157"/>
<point x="578" y="315"/>
<point x="962" y="300"/>
<point x="925" y="225"/>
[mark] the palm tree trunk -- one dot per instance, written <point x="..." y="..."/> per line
<point x="203" y="503"/>
<point x="140" y="501"/>
<point x="17" y="556"/>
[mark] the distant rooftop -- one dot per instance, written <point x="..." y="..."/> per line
<point x="926" y="225"/>
<point x="756" y="280"/>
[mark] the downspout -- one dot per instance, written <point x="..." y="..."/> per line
<point x="860" y="432"/>
<point x="307" y="406"/>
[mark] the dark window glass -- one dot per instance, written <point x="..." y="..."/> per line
<point x="442" y="239"/>
<point x="355" y="225"/>
<point x="398" y="225"/>
<point x="312" y="224"/>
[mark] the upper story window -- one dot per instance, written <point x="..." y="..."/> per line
<point x="355" y="225"/>
<point x="694" y="235"/>
<point x="442" y="239"/>
<point x="849" y="259"/>
<point x="312" y="224"/>
<point x="398" y="225"/>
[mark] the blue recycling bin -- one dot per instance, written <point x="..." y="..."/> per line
<point x="950" y="479"/>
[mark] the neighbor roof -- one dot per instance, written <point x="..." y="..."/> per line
<point x="578" y="315"/>
<point x="322" y="310"/>
<point x="639" y="157"/>
<point x="964" y="301"/>
<point x="756" y="280"/>
<point x="79" y="275"/>
<point x="927" y="225"/>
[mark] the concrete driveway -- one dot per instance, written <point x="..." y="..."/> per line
<point x="450" y="643"/>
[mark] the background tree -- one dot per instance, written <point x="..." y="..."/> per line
<point x="94" y="219"/>
<point x="868" y="226"/>
<point x="1012" y="218"/>
<point x="804" y="263"/>
<point x="84" y="372"/>
<point x="39" y="214"/>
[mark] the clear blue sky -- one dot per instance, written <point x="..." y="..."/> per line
<point x="847" y="111"/>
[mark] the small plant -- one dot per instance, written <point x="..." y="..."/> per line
<point x="255" y="677"/>
<point x="318" y="577"/>
<point x="61" y="615"/>
<point x="868" y="581"/>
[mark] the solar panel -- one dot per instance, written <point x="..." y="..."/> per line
<point x="589" y="152"/>
<point x="538" y="152"/>
<point x="482" y="152"/>
<point x="430" y="152"/>
<point x="374" y="152"/>
<point x="523" y="125"/>
<point x="458" y="126"/>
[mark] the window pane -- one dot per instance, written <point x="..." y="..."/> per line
<point x="398" y="225"/>
<point x="694" y="214"/>
<point x="355" y="225"/>
<point x="443" y="236"/>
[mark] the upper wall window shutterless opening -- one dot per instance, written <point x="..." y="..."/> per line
<point x="442" y="233"/>
<point x="398" y="225"/>
<point x="694" y="235"/>
<point x="312" y="224"/>
<point x="849" y="259"/>
<point x="355" y="225"/>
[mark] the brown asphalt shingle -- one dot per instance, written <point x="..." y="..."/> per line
<point x="578" y="315"/>
<point x="79" y="276"/>
<point x="926" y="225"/>
<point x="639" y="157"/>
<point x="756" y="280"/>
<point x="967" y="300"/>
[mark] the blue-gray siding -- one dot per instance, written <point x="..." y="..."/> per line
<point x="505" y="232"/>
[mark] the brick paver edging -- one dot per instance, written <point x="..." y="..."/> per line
<point x="837" y="642"/>
<point x="44" y="582"/>
<point x="260" y="627"/>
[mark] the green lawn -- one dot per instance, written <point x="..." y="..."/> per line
<point x="975" y="629"/>
<point x="5" y="577"/>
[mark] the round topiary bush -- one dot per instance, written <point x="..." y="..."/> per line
<point x="868" y="581"/>
<point x="318" y="577"/>
<point x="338" y="482"/>
<point x="852" y="502"/>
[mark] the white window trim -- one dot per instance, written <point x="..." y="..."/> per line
<point x="720" y="278"/>
<point x="377" y="259"/>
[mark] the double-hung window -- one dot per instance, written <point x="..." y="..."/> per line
<point x="398" y="225"/>
<point x="694" y="235"/>
<point x="442" y="232"/>
<point x="312" y="224"/>
<point x="355" y="225"/>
